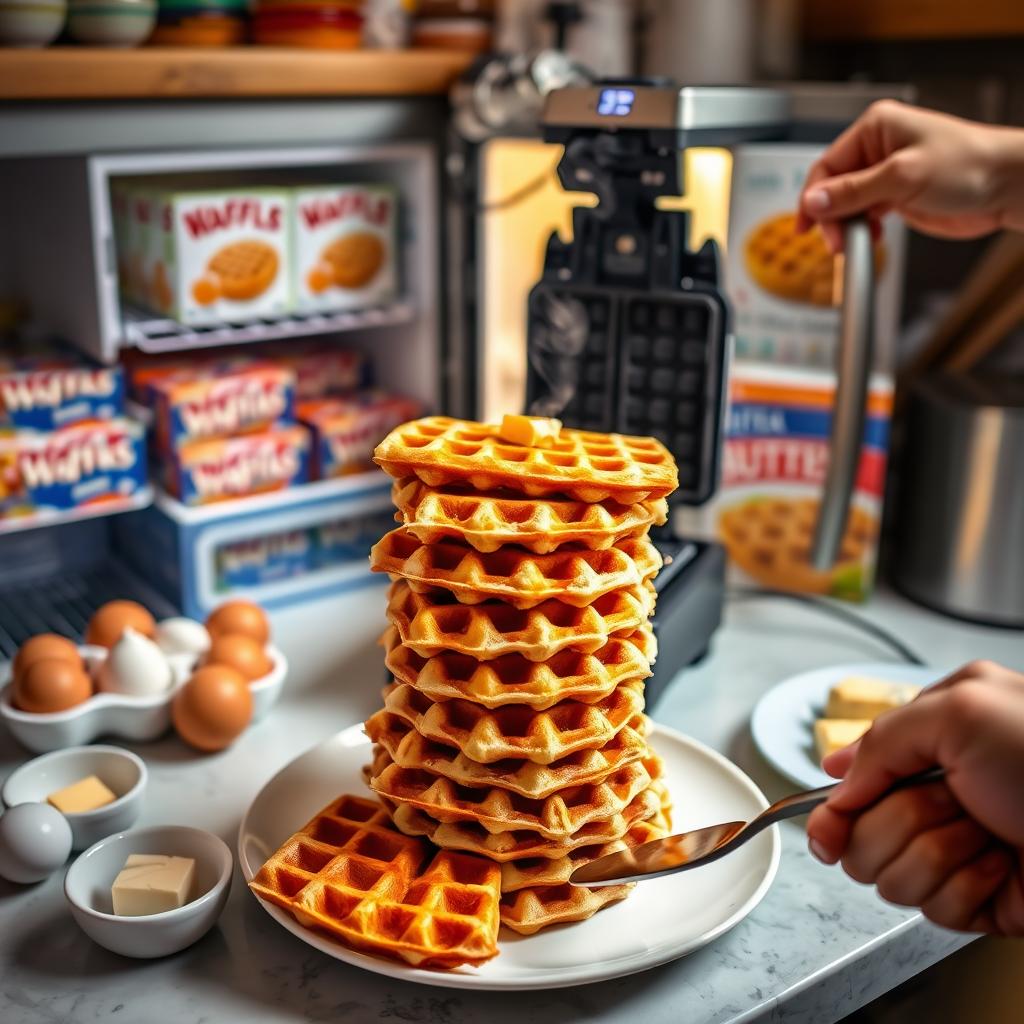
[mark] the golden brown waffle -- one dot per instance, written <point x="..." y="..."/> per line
<point x="349" y="873"/>
<point x="529" y="910"/>
<point x="409" y="749"/>
<point x="539" y="872"/>
<point x="576" y="576"/>
<point x="491" y="629"/>
<point x="517" y="731"/>
<point x="244" y="269"/>
<point x="587" y="467"/>
<point x="513" y="679"/>
<point x="555" y="817"/>
<point x="355" y="258"/>
<point x="770" y="539"/>
<point x="489" y="521"/>
<point x="506" y="846"/>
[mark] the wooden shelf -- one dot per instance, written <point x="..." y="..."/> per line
<point x="80" y="73"/>
<point x="857" y="20"/>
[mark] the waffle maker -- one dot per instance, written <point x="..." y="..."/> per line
<point x="628" y="329"/>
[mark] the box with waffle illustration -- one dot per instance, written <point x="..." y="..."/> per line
<point x="774" y="460"/>
<point x="218" y="256"/>
<point x="781" y="283"/>
<point x="344" y="245"/>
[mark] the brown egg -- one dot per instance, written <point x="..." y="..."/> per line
<point x="51" y="685"/>
<point x="240" y="617"/>
<point x="239" y="652"/>
<point x="111" y="620"/>
<point x="46" y="646"/>
<point x="212" y="708"/>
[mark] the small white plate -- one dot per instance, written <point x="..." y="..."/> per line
<point x="663" y="919"/>
<point x="783" y="721"/>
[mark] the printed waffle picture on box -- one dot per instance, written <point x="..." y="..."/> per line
<point x="512" y="735"/>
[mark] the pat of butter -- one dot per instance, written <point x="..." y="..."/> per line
<point x="832" y="734"/>
<point x="862" y="697"/>
<point x="84" y="795"/>
<point x="150" y="883"/>
<point x="535" y="431"/>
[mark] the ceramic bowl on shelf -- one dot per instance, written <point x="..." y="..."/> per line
<point x="140" y="719"/>
<point x="115" y="23"/>
<point x="121" y="771"/>
<point x="28" y="23"/>
<point x="88" y="882"/>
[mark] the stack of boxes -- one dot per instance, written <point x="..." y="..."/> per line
<point x="236" y="255"/>
<point x="65" y="442"/>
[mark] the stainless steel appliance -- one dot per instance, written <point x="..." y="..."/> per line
<point x="959" y="545"/>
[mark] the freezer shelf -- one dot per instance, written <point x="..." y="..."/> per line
<point x="156" y="335"/>
<point x="107" y="508"/>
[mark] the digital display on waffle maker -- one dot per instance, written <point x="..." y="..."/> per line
<point x="616" y="102"/>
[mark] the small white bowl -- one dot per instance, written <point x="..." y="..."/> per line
<point x="120" y="770"/>
<point x="114" y="23"/>
<point x="88" y="881"/>
<point x="139" y="719"/>
<point x="31" y="22"/>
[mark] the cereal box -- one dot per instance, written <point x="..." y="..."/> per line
<point x="774" y="461"/>
<point x="258" y="560"/>
<point x="90" y="463"/>
<point x="781" y="283"/>
<point x="345" y="247"/>
<point x="46" y="392"/>
<point x="220" y="400"/>
<point x="233" y="467"/>
<point x="223" y="255"/>
<point x="346" y="430"/>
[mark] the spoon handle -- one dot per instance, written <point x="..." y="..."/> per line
<point x="803" y="803"/>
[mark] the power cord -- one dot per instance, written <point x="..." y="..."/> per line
<point x="515" y="198"/>
<point x="819" y="604"/>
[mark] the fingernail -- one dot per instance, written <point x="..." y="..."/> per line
<point x="819" y="852"/>
<point x="817" y="199"/>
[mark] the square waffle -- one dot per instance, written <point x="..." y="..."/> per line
<point x="347" y="872"/>
<point x="437" y="622"/>
<point x="576" y="576"/>
<point x="588" y="467"/>
<point x="513" y="679"/>
<point x="554" y="817"/>
<point x="489" y="521"/>
<point x="507" y="846"/>
<point x="516" y="731"/>
<point x="408" y="748"/>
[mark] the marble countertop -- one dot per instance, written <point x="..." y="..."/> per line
<point x="818" y="946"/>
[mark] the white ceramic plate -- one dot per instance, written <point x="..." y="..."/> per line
<point x="661" y="920"/>
<point x="783" y="721"/>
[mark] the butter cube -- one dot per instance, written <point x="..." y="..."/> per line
<point x="535" y="431"/>
<point x="150" y="883"/>
<point x="832" y="734"/>
<point x="84" y="795"/>
<point x="862" y="697"/>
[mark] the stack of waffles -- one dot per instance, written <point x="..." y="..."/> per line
<point x="522" y="576"/>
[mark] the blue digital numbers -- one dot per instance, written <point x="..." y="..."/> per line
<point x="615" y="102"/>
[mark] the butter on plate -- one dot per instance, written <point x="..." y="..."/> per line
<point x="832" y="734"/>
<point x="151" y="883"/>
<point x="860" y="697"/>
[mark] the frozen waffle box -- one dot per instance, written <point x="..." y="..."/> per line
<point x="344" y="244"/>
<point x="52" y="390"/>
<point x="346" y="430"/>
<point x="321" y="369"/>
<point x="259" y="560"/>
<point x="223" y="468"/>
<point x="89" y="463"/>
<point x="206" y="257"/>
<point x="212" y="400"/>
<point x="774" y="460"/>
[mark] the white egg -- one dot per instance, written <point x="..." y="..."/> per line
<point x="135" y="667"/>
<point x="35" y="840"/>
<point x="182" y="636"/>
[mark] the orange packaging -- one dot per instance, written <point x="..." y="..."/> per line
<point x="233" y="467"/>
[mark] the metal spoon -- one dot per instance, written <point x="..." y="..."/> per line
<point x="703" y="845"/>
